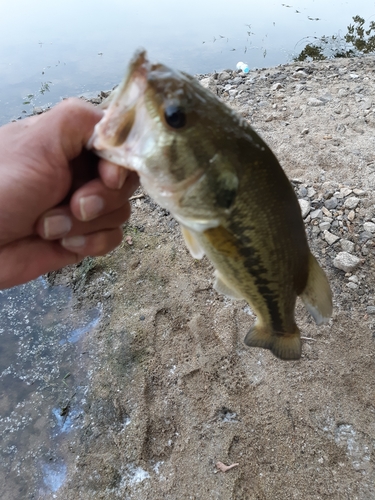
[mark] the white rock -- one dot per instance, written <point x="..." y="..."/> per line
<point x="305" y="207"/>
<point x="330" y="238"/>
<point x="359" y="192"/>
<point x="324" y="226"/>
<point x="347" y="246"/>
<point x="313" y="101"/>
<point x="206" y="82"/>
<point x="345" y="192"/>
<point x="326" y="212"/>
<point x="369" y="226"/>
<point x="343" y="92"/>
<point x="316" y="214"/>
<point x="351" y="215"/>
<point x="352" y="286"/>
<point x="276" y="86"/>
<point x="351" y="202"/>
<point x="346" y="262"/>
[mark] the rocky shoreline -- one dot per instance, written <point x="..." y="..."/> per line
<point x="173" y="388"/>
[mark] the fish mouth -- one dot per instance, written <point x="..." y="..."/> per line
<point x="125" y="134"/>
<point x="119" y="116"/>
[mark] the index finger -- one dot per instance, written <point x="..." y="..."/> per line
<point x="73" y="122"/>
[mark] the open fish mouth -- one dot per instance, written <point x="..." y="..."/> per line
<point x="120" y="112"/>
<point x="125" y="136"/>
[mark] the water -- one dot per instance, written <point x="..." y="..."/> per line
<point x="50" y="50"/>
<point x="43" y="386"/>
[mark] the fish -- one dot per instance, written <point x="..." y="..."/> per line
<point x="204" y="163"/>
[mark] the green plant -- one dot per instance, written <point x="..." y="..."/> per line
<point x="357" y="41"/>
<point x="363" y="40"/>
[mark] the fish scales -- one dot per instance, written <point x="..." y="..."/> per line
<point x="209" y="168"/>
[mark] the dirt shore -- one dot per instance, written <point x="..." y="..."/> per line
<point x="173" y="388"/>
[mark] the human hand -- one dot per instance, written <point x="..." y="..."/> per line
<point x="58" y="202"/>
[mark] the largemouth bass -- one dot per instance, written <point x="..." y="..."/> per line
<point x="222" y="183"/>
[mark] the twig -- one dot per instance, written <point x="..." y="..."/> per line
<point x="315" y="340"/>
<point x="137" y="197"/>
<point x="224" y="467"/>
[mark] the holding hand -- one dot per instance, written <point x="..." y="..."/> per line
<point x="58" y="202"/>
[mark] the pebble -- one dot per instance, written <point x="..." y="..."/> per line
<point x="305" y="207"/>
<point x="206" y="82"/>
<point x="344" y="192"/>
<point x="324" y="226"/>
<point x="224" y="76"/>
<point x="346" y="262"/>
<point x="330" y="238"/>
<point x="311" y="192"/>
<point x="331" y="203"/>
<point x="313" y="101"/>
<point x="369" y="227"/>
<point x="316" y="214"/>
<point x="347" y="246"/>
<point x="354" y="278"/>
<point x="276" y="86"/>
<point x="351" y="202"/>
<point x="370" y="309"/>
<point x="359" y="192"/>
<point x="351" y="215"/>
<point x="364" y="236"/>
<point x="352" y="286"/>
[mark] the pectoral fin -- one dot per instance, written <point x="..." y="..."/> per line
<point x="223" y="288"/>
<point x="317" y="295"/>
<point x="192" y="243"/>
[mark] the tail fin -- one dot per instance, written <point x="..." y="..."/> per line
<point x="317" y="295"/>
<point x="285" y="346"/>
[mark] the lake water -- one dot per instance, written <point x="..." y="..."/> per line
<point x="50" y="50"/>
<point x="43" y="386"/>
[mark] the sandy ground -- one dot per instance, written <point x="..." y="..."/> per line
<point x="173" y="388"/>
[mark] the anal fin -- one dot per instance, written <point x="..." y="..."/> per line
<point x="192" y="244"/>
<point x="286" y="346"/>
<point x="317" y="295"/>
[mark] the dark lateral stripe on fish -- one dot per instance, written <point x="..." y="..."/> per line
<point x="271" y="297"/>
<point x="225" y="242"/>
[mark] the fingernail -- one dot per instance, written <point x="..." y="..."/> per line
<point x="121" y="177"/>
<point x="90" y="207"/>
<point x="73" y="242"/>
<point x="56" y="226"/>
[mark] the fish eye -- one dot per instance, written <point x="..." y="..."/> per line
<point x="175" y="116"/>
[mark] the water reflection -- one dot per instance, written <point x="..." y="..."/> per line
<point x="54" y="476"/>
<point x="41" y="388"/>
